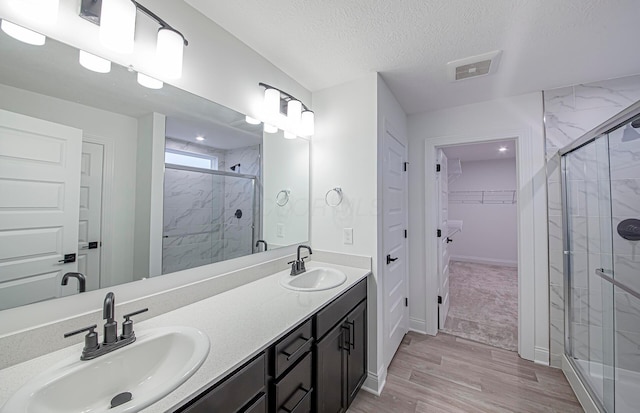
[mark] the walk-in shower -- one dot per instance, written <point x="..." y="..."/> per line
<point x="601" y="207"/>
<point x="209" y="216"/>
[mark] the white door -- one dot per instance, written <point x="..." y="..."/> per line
<point x="39" y="187"/>
<point x="394" y="221"/>
<point x="89" y="235"/>
<point x="443" y="240"/>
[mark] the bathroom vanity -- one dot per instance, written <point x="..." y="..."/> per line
<point x="271" y="349"/>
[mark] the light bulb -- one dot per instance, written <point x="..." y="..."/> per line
<point x="95" y="63"/>
<point x="270" y="128"/>
<point x="23" y="34"/>
<point x="307" y="123"/>
<point x="148" y="81"/>
<point x="252" y="121"/>
<point x="169" y="52"/>
<point x="118" y="25"/>
<point x="289" y="135"/>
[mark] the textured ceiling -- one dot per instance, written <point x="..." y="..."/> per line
<point x="546" y="43"/>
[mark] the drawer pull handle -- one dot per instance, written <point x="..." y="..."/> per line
<point x="307" y="394"/>
<point x="346" y="338"/>
<point x="352" y="334"/>
<point x="298" y="350"/>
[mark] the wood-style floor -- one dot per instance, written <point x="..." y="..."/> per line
<point x="454" y="375"/>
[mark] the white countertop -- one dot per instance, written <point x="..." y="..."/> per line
<point x="240" y="323"/>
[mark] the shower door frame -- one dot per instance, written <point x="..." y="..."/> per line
<point x="602" y="130"/>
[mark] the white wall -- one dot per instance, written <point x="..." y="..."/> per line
<point x="217" y="66"/>
<point x="500" y="118"/>
<point x="286" y="166"/>
<point x="119" y="134"/>
<point x="490" y="231"/>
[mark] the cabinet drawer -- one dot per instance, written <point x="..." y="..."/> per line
<point x="292" y="348"/>
<point x="236" y="391"/>
<point x="259" y="406"/>
<point x="337" y="309"/>
<point x="293" y="391"/>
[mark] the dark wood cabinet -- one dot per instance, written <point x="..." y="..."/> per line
<point x="341" y="354"/>
<point x="317" y="367"/>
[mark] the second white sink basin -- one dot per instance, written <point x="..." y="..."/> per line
<point x="314" y="279"/>
<point x="157" y="363"/>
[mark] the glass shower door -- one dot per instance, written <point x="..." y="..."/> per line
<point x="589" y="250"/>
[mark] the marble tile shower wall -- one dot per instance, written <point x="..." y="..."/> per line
<point x="200" y="226"/>
<point x="569" y="113"/>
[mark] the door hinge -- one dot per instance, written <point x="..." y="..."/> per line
<point x="439" y="233"/>
<point x="406" y="302"/>
<point x="439" y="299"/>
<point x="438" y="167"/>
<point x="405" y="233"/>
<point x="405" y="166"/>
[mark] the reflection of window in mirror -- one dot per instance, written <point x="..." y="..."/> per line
<point x="190" y="159"/>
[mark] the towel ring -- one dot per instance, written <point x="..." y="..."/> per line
<point x="282" y="201"/>
<point x="338" y="191"/>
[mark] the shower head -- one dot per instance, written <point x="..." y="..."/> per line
<point x="233" y="168"/>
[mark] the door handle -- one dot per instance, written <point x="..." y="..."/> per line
<point x="390" y="260"/>
<point x="68" y="258"/>
<point x="449" y="240"/>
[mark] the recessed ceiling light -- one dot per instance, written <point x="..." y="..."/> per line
<point x="503" y="149"/>
<point x="199" y="138"/>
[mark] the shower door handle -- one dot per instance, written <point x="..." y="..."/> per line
<point x="607" y="275"/>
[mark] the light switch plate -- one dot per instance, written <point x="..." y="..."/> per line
<point x="347" y="236"/>
<point x="280" y="230"/>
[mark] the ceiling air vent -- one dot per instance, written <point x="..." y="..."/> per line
<point x="474" y="66"/>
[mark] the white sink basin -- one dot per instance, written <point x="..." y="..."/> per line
<point x="314" y="279"/>
<point x="157" y="363"/>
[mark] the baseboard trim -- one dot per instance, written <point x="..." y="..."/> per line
<point x="588" y="404"/>
<point x="541" y="356"/>
<point x="419" y="326"/>
<point x="375" y="382"/>
<point x="481" y="260"/>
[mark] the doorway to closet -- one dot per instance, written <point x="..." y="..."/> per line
<point x="478" y="242"/>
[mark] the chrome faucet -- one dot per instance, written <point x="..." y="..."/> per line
<point x="111" y="341"/>
<point x="297" y="266"/>
<point x="82" y="281"/>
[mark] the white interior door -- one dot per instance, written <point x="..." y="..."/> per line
<point x="395" y="284"/>
<point x="443" y="250"/>
<point x="40" y="184"/>
<point x="89" y="230"/>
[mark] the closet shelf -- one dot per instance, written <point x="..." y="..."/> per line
<point x="482" y="197"/>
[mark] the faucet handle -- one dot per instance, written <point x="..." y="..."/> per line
<point x="127" y="325"/>
<point x="90" y="340"/>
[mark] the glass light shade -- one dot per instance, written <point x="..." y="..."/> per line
<point x="23" y="34"/>
<point x="95" y="63"/>
<point x="118" y="25"/>
<point x="307" y="123"/>
<point x="270" y="128"/>
<point x="148" y="81"/>
<point x="294" y="111"/>
<point x="169" y="52"/>
<point x="271" y="106"/>
<point x="289" y="135"/>
<point x="252" y="121"/>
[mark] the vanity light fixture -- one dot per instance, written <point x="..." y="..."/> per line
<point x="150" y="82"/>
<point x="299" y="119"/>
<point x="268" y="128"/>
<point x="22" y="33"/>
<point x="94" y="63"/>
<point x="117" y="21"/>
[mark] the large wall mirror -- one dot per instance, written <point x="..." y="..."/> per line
<point x="136" y="182"/>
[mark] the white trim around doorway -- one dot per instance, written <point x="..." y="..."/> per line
<point x="533" y="294"/>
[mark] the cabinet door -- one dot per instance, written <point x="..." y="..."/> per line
<point x="330" y="367"/>
<point x="357" y="353"/>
